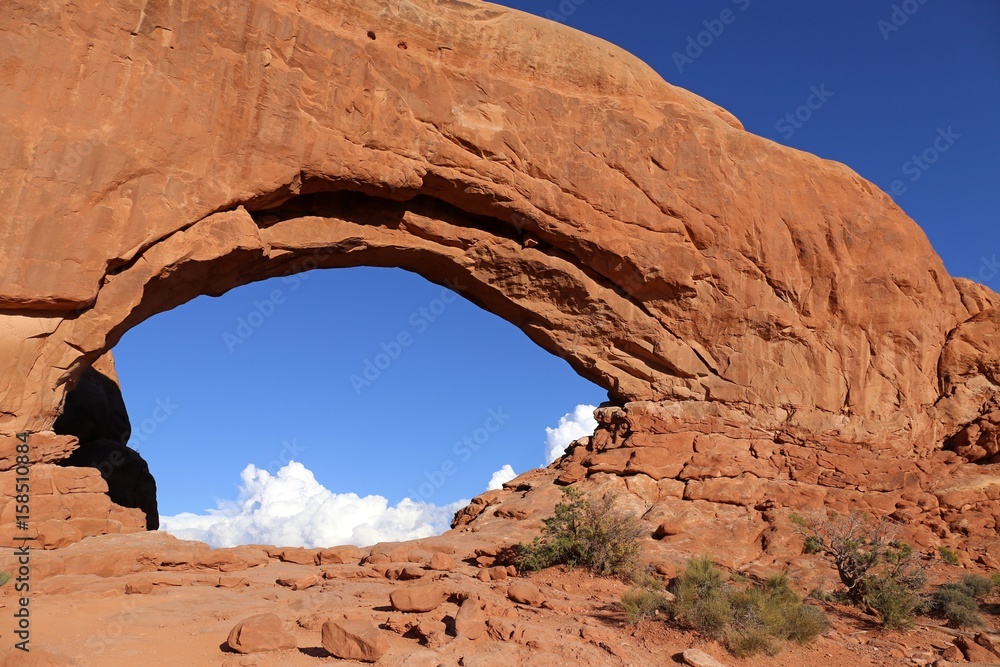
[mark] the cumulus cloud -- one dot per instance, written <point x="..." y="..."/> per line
<point x="572" y="426"/>
<point x="291" y="508"/>
<point x="501" y="477"/>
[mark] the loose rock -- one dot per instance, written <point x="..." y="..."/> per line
<point x="354" y="640"/>
<point x="263" y="632"/>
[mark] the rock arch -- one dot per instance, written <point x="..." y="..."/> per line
<point x="698" y="272"/>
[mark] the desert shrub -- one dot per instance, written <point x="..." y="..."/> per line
<point x="757" y="623"/>
<point x="995" y="578"/>
<point x="643" y="578"/>
<point x="4" y="578"/>
<point x="877" y="571"/>
<point x="585" y="532"/>
<point x="640" y="603"/>
<point x="701" y="598"/>
<point x="959" y="602"/>
<point x="894" y="603"/>
<point x="977" y="585"/>
<point x="949" y="556"/>
<point x="805" y="623"/>
<point x="752" y="619"/>
<point x="823" y="596"/>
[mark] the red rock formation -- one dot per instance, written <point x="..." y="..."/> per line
<point x="776" y="304"/>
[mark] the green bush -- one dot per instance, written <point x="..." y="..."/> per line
<point x="640" y="603"/>
<point x="959" y="602"/>
<point x="4" y="578"/>
<point x="949" y="556"/>
<point x="977" y="585"/>
<point x="876" y="570"/>
<point x="643" y="578"/>
<point x="995" y="578"/>
<point x="701" y="597"/>
<point x="805" y="623"/>
<point x="585" y="532"/>
<point x="893" y="602"/>
<point x="749" y="620"/>
<point x="823" y="596"/>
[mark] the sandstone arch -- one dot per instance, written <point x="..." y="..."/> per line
<point x="718" y="279"/>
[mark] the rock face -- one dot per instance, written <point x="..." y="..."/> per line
<point x="95" y="413"/>
<point x="722" y="282"/>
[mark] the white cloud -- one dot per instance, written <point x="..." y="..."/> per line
<point x="291" y="508"/>
<point x="572" y="426"/>
<point x="500" y="477"/>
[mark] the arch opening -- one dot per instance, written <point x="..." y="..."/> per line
<point x="209" y="409"/>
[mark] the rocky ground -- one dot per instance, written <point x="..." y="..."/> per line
<point x="151" y="599"/>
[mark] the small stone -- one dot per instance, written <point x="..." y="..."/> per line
<point x="138" y="588"/>
<point x="698" y="658"/>
<point x="232" y="582"/>
<point x="300" y="583"/>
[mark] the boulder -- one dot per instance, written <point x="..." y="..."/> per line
<point x="442" y="562"/>
<point x="525" y="592"/>
<point x="354" y="640"/>
<point x="432" y="632"/>
<point x="345" y="555"/>
<point x="418" y="597"/>
<point x="470" y="621"/>
<point x="973" y="652"/>
<point x="263" y="632"/>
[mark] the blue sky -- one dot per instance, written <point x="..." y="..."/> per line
<point x="884" y="91"/>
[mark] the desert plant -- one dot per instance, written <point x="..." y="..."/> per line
<point x="959" y="602"/>
<point x="750" y="619"/>
<point x="585" y="532"/>
<point x="977" y="585"/>
<point x="644" y="578"/>
<point x="877" y="571"/>
<point x="640" y="603"/>
<point x="995" y="578"/>
<point x="894" y="603"/>
<point x="949" y="556"/>
<point x="4" y="578"/>
<point x="804" y="623"/>
<point x="701" y="598"/>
